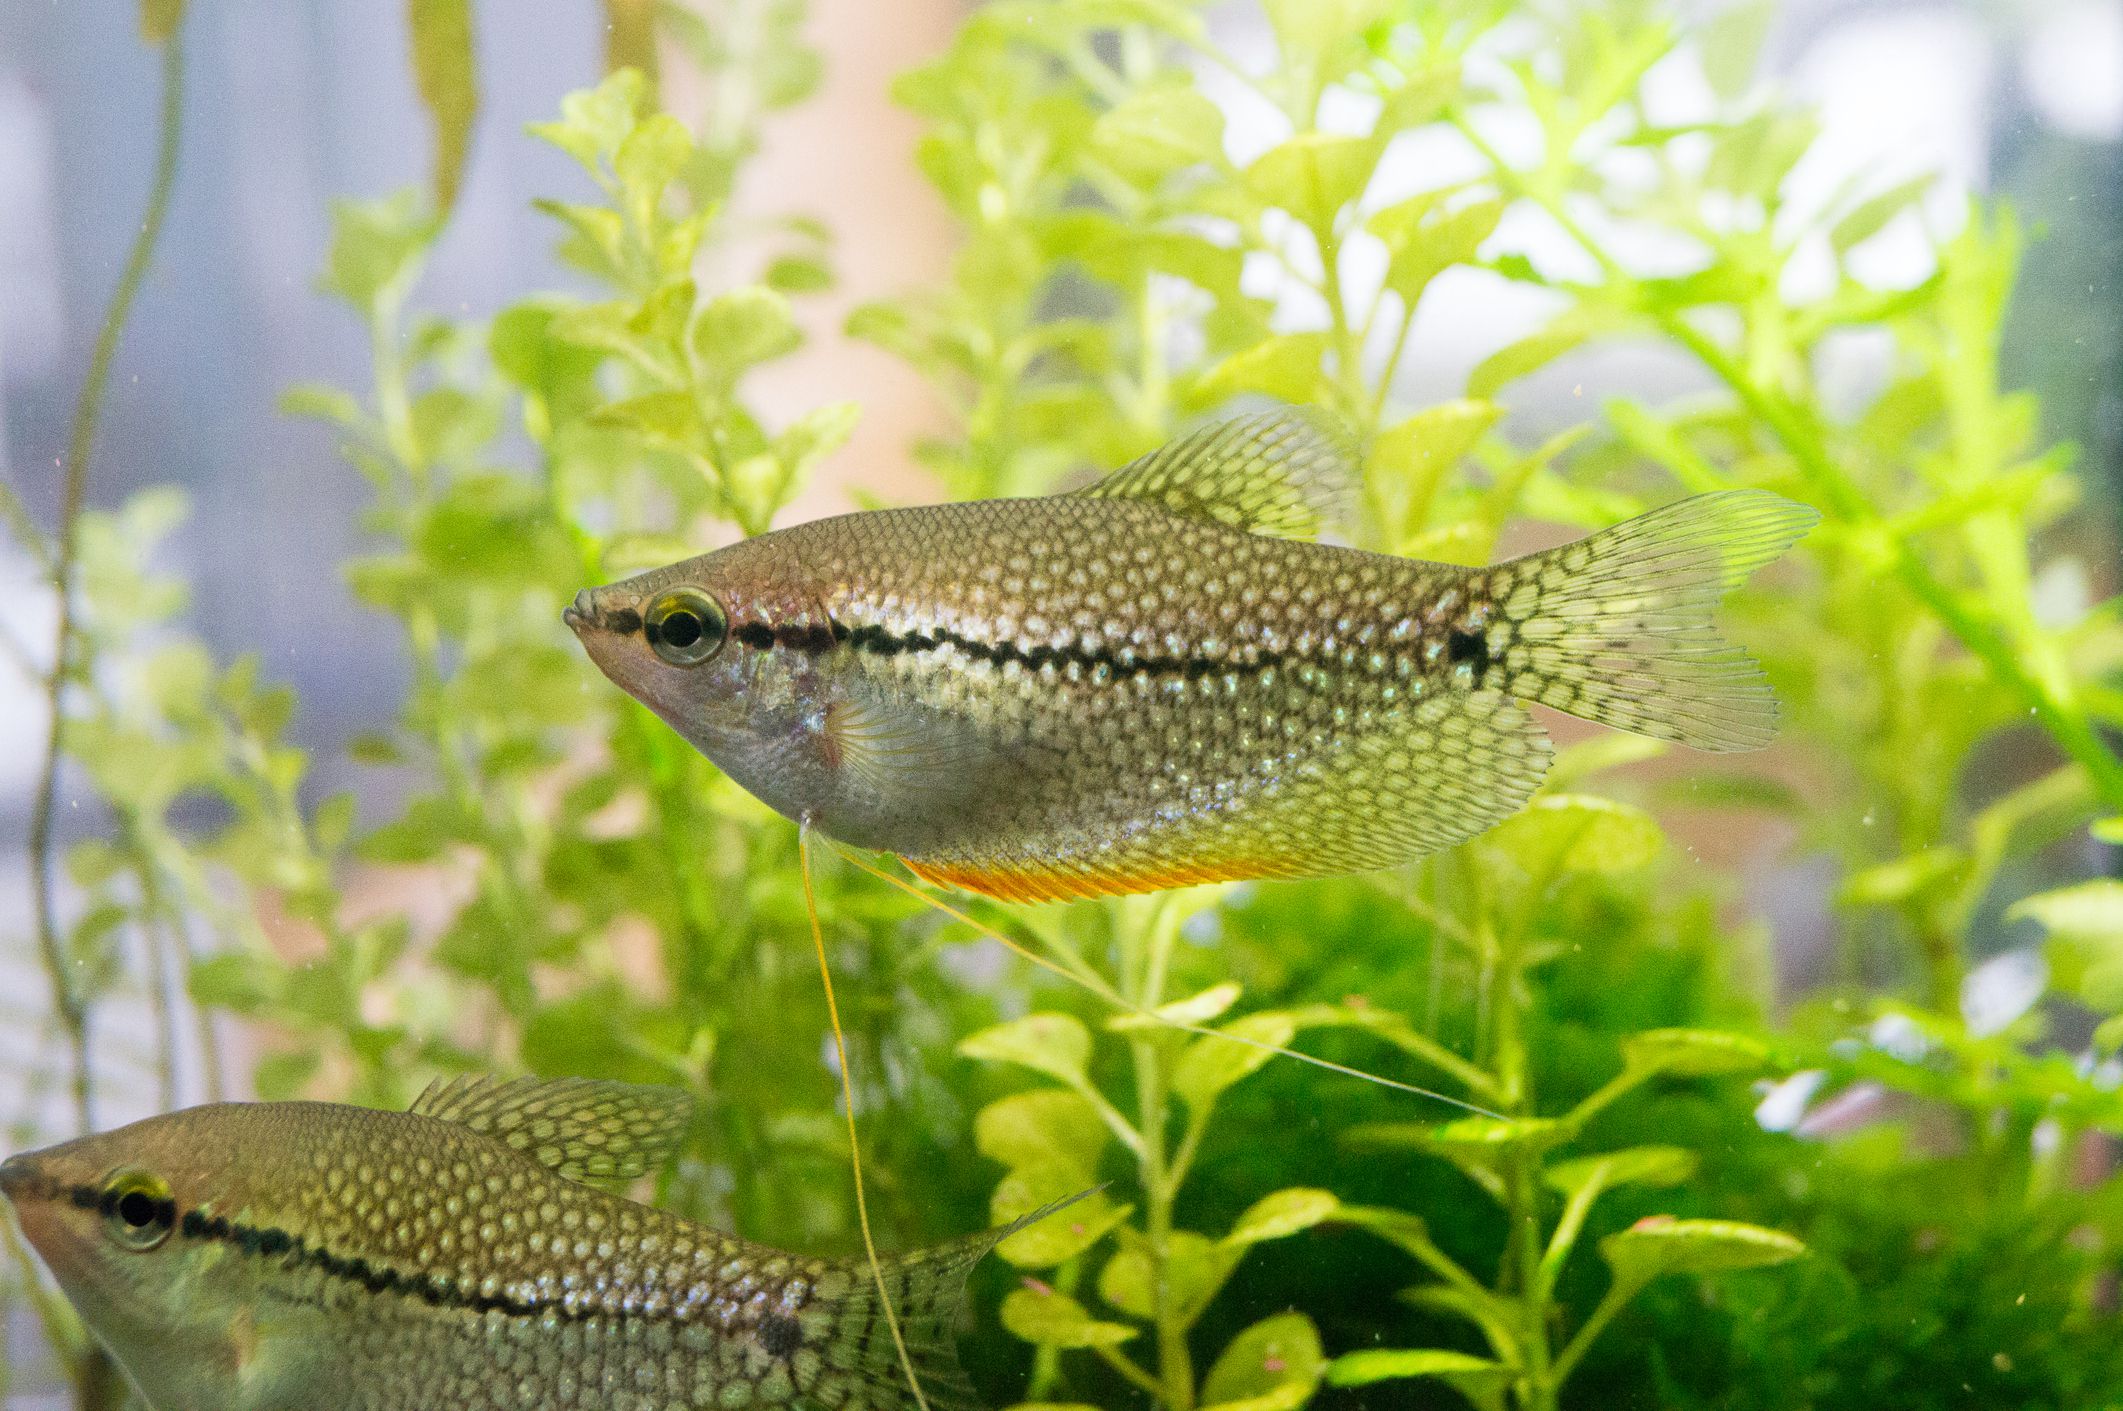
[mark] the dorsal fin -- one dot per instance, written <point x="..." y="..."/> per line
<point x="582" y="1128"/>
<point x="1288" y="473"/>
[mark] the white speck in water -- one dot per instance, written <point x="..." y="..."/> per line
<point x="1785" y="1103"/>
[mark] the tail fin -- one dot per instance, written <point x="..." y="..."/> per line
<point x="858" y="1367"/>
<point x="1617" y="627"/>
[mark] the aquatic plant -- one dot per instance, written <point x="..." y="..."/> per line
<point x="1928" y="1166"/>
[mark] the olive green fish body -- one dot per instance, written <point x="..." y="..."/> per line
<point x="1138" y="686"/>
<point x="1053" y="678"/>
<point x="331" y="1258"/>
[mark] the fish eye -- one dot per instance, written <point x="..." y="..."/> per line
<point x="685" y="626"/>
<point x="138" y="1209"/>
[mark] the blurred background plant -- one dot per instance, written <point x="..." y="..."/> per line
<point x="1160" y="216"/>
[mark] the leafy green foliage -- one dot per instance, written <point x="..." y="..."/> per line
<point x="1645" y="1183"/>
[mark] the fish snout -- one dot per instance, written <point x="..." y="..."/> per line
<point x="581" y="613"/>
<point x="26" y="1182"/>
<point x="17" y="1175"/>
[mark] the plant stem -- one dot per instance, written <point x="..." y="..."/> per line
<point x="1151" y="956"/>
<point x="68" y="1001"/>
<point x="1122" y="1363"/>
<point x="1609" y="1305"/>
<point x="1523" y="1247"/>
<point x="1538" y="1389"/>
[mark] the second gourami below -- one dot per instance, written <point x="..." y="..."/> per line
<point x="311" y="1256"/>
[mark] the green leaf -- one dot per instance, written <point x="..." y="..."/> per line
<point x="1194" y="1009"/>
<point x="1282" y="1214"/>
<point x="238" y="981"/>
<point x="816" y="434"/>
<point x="1474" y="1134"/>
<point x="648" y="159"/>
<point x="1573" y="764"/>
<point x="450" y="425"/>
<point x="1397" y="1227"/>
<point x="1731" y="46"/>
<point x="1154" y="132"/>
<point x="376" y="248"/>
<point x="1528" y="354"/>
<point x="281" y="1076"/>
<point x="496" y="527"/>
<point x="1045" y="1125"/>
<point x="1195" y="1268"/>
<point x="1272" y="1366"/>
<point x="1285" y="366"/>
<point x="1660" y="1244"/>
<point x="1410" y="460"/>
<point x="93" y="861"/>
<point x="1066" y="1233"/>
<point x="1313" y="176"/>
<point x="797" y="274"/>
<point x="1636" y="1165"/>
<point x="1422" y="241"/>
<point x="1046" y="1318"/>
<point x="334" y="822"/>
<point x="1479" y="1379"/>
<point x="446" y="73"/>
<point x="671" y="418"/>
<point x="321" y="401"/>
<point x="598" y="244"/>
<point x="1311" y="30"/>
<point x="1210" y="1065"/>
<point x="1892" y="883"/>
<point x="2087" y="911"/>
<point x="1579" y="833"/>
<point x="1696" y="1053"/>
<point x="1422" y="99"/>
<point x="2108" y="830"/>
<point x="2085" y="949"/>
<point x="1868" y="218"/>
<point x="1757" y="153"/>
<point x="1055" y="1044"/>
<point x="744" y="327"/>
<point x="594" y="121"/>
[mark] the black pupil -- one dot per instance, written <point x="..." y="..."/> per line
<point x="136" y="1208"/>
<point x="681" y="628"/>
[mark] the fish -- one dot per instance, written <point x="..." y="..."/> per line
<point x="463" y="1255"/>
<point x="1164" y="678"/>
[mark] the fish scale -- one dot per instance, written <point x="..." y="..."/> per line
<point x="342" y="1259"/>
<point x="1160" y="680"/>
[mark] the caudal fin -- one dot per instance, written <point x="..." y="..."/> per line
<point x="858" y="1366"/>
<point x="1617" y="627"/>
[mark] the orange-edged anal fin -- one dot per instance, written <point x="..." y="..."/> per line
<point x="1072" y="881"/>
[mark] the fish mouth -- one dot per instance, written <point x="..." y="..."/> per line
<point x="581" y="614"/>
<point x="22" y="1176"/>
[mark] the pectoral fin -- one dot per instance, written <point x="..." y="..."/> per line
<point x="900" y="755"/>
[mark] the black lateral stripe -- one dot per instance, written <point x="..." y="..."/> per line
<point x="881" y="642"/>
<point x="269" y="1242"/>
